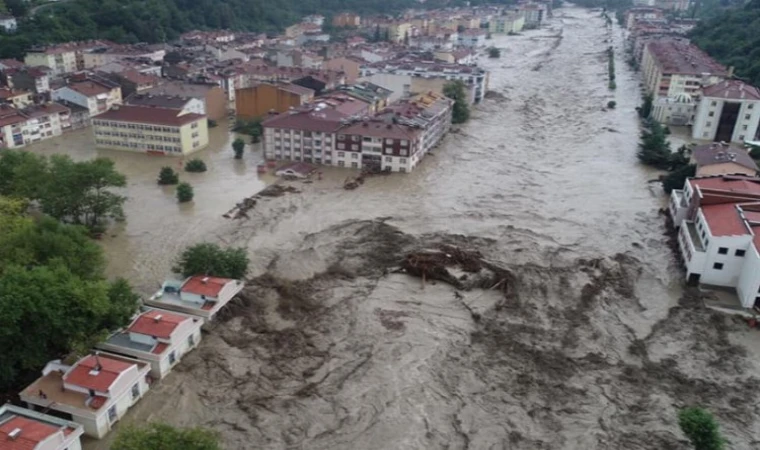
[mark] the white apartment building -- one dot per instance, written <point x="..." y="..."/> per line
<point x="20" y="127"/>
<point x="473" y="38"/>
<point x="728" y="111"/>
<point x="98" y="96"/>
<point x="671" y="67"/>
<point x="96" y="391"/>
<point x="24" y="429"/>
<point x="158" y="337"/>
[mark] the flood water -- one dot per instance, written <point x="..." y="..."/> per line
<point x="544" y="181"/>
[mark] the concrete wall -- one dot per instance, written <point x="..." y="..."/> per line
<point x="728" y="168"/>
<point x="748" y="287"/>
<point x="258" y="101"/>
<point x="732" y="265"/>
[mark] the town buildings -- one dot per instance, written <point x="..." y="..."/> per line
<point x="97" y="94"/>
<point x="62" y="58"/>
<point x="265" y="98"/>
<point x="211" y="94"/>
<point x="158" y="337"/>
<point x="507" y="24"/>
<point x="34" y="123"/>
<point x="672" y="67"/>
<point x="347" y="19"/>
<point x="722" y="159"/>
<point x="729" y="111"/>
<point x="96" y="391"/>
<point x="24" y="429"/>
<point x="150" y="129"/>
<point x="199" y="295"/>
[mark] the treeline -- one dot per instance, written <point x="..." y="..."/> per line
<point x="732" y="38"/>
<point x="655" y="151"/>
<point x="155" y="21"/>
<point x="54" y="296"/>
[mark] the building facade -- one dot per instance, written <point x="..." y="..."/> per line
<point x="265" y="98"/>
<point x="24" y="429"/>
<point x="672" y="67"/>
<point x="97" y="95"/>
<point x="728" y="111"/>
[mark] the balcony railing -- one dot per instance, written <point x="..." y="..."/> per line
<point x="694" y="236"/>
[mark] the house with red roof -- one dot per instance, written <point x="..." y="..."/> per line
<point x="24" y="429"/>
<point x="199" y="295"/>
<point x="718" y="220"/>
<point x="158" y="337"/>
<point x="96" y="391"/>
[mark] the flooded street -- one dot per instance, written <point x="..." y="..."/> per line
<point x="590" y="346"/>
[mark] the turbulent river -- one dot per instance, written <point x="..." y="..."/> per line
<point x="596" y="347"/>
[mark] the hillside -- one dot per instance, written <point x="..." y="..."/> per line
<point x="733" y="39"/>
<point x="164" y="20"/>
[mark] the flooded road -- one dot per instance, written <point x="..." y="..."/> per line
<point x="592" y="347"/>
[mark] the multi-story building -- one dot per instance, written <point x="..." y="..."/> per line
<point x="96" y="391"/>
<point x="183" y="105"/>
<point x="24" y="429"/>
<point x="642" y="13"/>
<point x="16" y="97"/>
<point x="534" y="14"/>
<point x="728" y="111"/>
<point x="157" y="337"/>
<point x="12" y="124"/>
<point x="671" y="67"/>
<point x="20" y="127"/>
<point x="97" y="94"/>
<point x="62" y="58"/>
<point x="34" y="79"/>
<point x="722" y="159"/>
<point x="265" y="98"/>
<point x="473" y="38"/>
<point x="199" y="295"/>
<point x="96" y="57"/>
<point x="211" y="94"/>
<point x="347" y="19"/>
<point x="150" y="130"/>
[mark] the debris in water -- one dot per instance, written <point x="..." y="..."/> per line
<point x="241" y="209"/>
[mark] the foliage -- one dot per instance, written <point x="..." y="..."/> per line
<point x="238" y="146"/>
<point x="654" y="148"/>
<point x="611" y="104"/>
<point x="252" y="128"/>
<point x="754" y="152"/>
<point x="210" y="259"/>
<point x="185" y="193"/>
<point x="75" y="192"/>
<point x="677" y="178"/>
<point x="195" y="165"/>
<point x="168" y="176"/>
<point x="646" y="106"/>
<point x="494" y="52"/>
<point x="701" y="429"/>
<point x="455" y="90"/>
<point x="611" y="67"/>
<point x="731" y="37"/>
<point x="159" y="436"/>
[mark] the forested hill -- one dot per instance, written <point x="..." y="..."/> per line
<point x="733" y="38"/>
<point x="164" y="20"/>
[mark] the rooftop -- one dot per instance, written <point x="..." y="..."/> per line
<point x="728" y="184"/>
<point x="89" y="88"/>
<point x="724" y="220"/>
<point x="717" y="153"/>
<point x="182" y="89"/>
<point x="381" y="129"/>
<point x="96" y="372"/>
<point x="158" y="101"/>
<point x="159" y="324"/>
<point x="732" y="89"/>
<point x="149" y="115"/>
<point x="204" y="285"/>
<point x="677" y="57"/>
<point x="29" y="433"/>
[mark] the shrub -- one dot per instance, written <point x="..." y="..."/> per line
<point x="494" y="52"/>
<point x="167" y="176"/>
<point x="185" y="193"/>
<point x="211" y="259"/>
<point x="611" y="104"/>
<point x="195" y="165"/>
<point x="701" y="429"/>
<point x="238" y="146"/>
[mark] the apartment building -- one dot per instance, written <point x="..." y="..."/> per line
<point x="507" y="24"/>
<point x="183" y="105"/>
<point x="20" y="127"/>
<point x="97" y="94"/>
<point x="729" y="111"/>
<point x="347" y="19"/>
<point x="635" y="14"/>
<point x="211" y="94"/>
<point x="96" y="391"/>
<point x="472" y="38"/>
<point x="199" y="295"/>
<point x="24" y="429"/>
<point x="722" y="159"/>
<point x="99" y="56"/>
<point x="16" y="97"/>
<point x="158" y="337"/>
<point x="150" y="130"/>
<point x="34" y="79"/>
<point x="671" y="67"/>
<point x="265" y="98"/>
<point x="62" y="58"/>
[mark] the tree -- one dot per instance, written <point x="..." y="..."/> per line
<point x="611" y="104"/>
<point x="406" y="39"/>
<point x="677" y="178"/>
<point x="377" y="36"/>
<point x="195" y="165"/>
<point x="210" y="259"/>
<point x="701" y="429"/>
<point x="494" y="52"/>
<point x="238" y="145"/>
<point x="185" y="193"/>
<point x="654" y="148"/>
<point x="167" y="176"/>
<point x="646" y="106"/>
<point x="158" y="436"/>
<point x="455" y="90"/>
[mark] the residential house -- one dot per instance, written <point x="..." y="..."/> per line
<point x="729" y="111"/>
<point x="265" y="98"/>
<point x="670" y="67"/>
<point x="183" y="105"/>
<point x="62" y="58"/>
<point x="33" y="79"/>
<point x="722" y="159"/>
<point x="534" y="14"/>
<point x="96" y="391"/>
<point x="95" y="93"/>
<point x="349" y="65"/>
<point x="24" y="429"/>
<point x="151" y="130"/>
<point x="9" y="63"/>
<point x="199" y="295"/>
<point x="507" y="24"/>
<point x="473" y="38"/>
<point x="212" y="95"/>
<point x="8" y="23"/>
<point x="12" y="125"/>
<point x="20" y="127"/>
<point x="158" y="337"/>
<point x="16" y="97"/>
<point x="133" y="81"/>
<point x="347" y="19"/>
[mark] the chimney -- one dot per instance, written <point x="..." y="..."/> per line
<point x="204" y="280"/>
<point x="158" y="318"/>
<point x="14" y="434"/>
<point x="98" y="366"/>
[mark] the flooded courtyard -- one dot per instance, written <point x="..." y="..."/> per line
<point x="593" y="345"/>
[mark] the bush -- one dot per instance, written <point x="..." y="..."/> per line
<point x="167" y="176"/>
<point x="238" y="146"/>
<point x="455" y="90"/>
<point x="701" y="429"/>
<point x="611" y="104"/>
<point x="195" y="165"/>
<point x="159" y="436"/>
<point x="185" y="193"/>
<point x="210" y="259"/>
<point x="494" y="52"/>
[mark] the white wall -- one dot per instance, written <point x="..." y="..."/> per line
<point x="729" y="274"/>
<point x="749" y="282"/>
<point x="66" y="93"/>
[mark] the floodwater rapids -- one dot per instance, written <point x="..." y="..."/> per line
<point x="329" y="349"/>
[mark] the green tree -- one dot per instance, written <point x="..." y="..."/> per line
<point x="646" y="106"/>
<point x="168" y="176"/>
<point x="611" y="104"/>
<point x="701" y="429"/>
<point x="211" y="259"/>
<point x="185" y="193"/>
<point x="455" y="90"/>
<point x="238" y="146"/>
<point x="195" y="165"/>
<point x="654" y="148"/>
<point x="494" y="52"/>
<point x="677" y="178"/>
<point x="159" y="436"/>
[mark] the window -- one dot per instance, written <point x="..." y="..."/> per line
<point x="355" y="155"/>
<point x="711" y="114"/>
<point x="112" y="413"/>
<point x="402" y="169"/>
<point x="402" y="160"/>
<point x="708" y="124"/>
<point x="722" y="251"/>
<point x="354" y="147"/>
<point x="741" y="137"/>
<point x="750" y="106"/>
<point x="191" y="340"/>
<point x="388" y="159"/>
<point x="355" y="165"/>
<point x="341" y="164"/>
<point x="740" y="253"/>
<point x="136" y="391"/>
<point x="744" y="127"/>
<point x="341" y="154"/>
<point x="172" y="358"/>
<point x="718" y="266"/>
<point x="707" y="243"/>
<point x="747" y="117"/>
<point x="341" y="146"/>
<point x="389" y="141"/>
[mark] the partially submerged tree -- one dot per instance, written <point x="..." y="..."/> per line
<point x="159" y="436"/>
<point x="494" y="52"/>
<point x="238" y="146"/>
<point x="455" y="90"/>
<point x="185" y="193"/>
<point x="701" y="429"/>
<point x="210" y="259"/>
<point x="195" y="165"/>
<point x="168" y="176"/>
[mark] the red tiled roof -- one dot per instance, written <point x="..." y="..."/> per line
<point x="32" y="433"/>
<point x="326" y="120"/>
<point x="724" y="220"/>
<point x="732" y="89"/>
<point x="98" y="401"/>
<point x="379" y="129"/>
<point x="155" y="323"/>
<point x="202" y="285"/>
<point x="89" y="88"/>
<point x="110" y="369"/>
<point x="736" y="184"/>
<point x="159" y="348"/>
<point x="149" y="115"/>
<point x="684" y="58"/>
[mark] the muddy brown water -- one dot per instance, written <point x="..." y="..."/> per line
<point x="593" y="350"/>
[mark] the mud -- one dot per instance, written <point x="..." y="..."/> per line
<point x="590" y="342"/>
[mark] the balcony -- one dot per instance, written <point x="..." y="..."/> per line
<point x="693" y="234"/>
